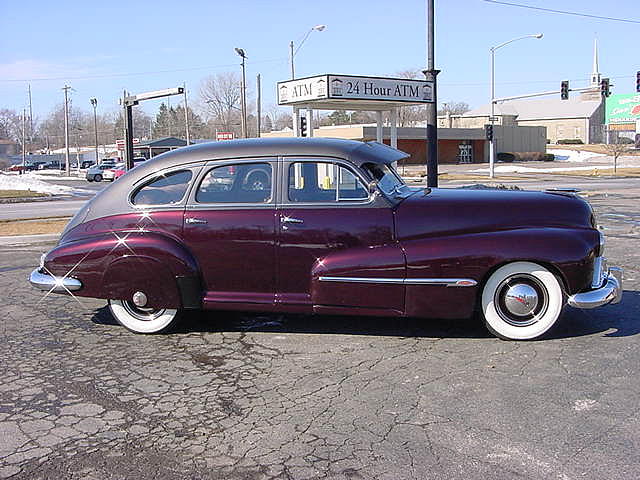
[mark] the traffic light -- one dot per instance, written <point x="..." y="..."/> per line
<point x="638" y="82"/>
<point x="303" y="126"/>
<point x="488" y="131"/>
<point x="564" y="90"/>
<point x="604" y="87"/>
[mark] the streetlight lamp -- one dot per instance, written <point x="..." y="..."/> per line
<point x="492" y="146"/>
<point x="94" y="104"/>
<point x="293" y="52"/>
<point x="240" y="52"/>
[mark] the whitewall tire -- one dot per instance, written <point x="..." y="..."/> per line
<point x="142" y="320"/>
<point x="521" y="301"/>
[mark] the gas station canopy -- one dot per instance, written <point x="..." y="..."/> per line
<point x="349" y="92"/>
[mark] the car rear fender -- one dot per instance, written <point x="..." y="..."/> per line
<point x="116" y="265"/>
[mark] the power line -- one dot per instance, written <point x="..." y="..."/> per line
<point x="117" y="75"/>
<point x="564" y="12"/>
<point x="482" y="84"/>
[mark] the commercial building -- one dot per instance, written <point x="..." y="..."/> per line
<point x="455" y="145"/>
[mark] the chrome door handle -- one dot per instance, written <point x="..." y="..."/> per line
<point x="192" y="221"/>
<point x="286" y="219"/>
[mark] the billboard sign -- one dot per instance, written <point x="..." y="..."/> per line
<point x="623" y="108"/>
<point x="350" y="87"/>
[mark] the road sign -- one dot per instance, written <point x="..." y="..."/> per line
<point x="120" y="143"/>
<point x="224" y="136"/>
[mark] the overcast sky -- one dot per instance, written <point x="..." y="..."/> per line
<point x="103" y="47"/>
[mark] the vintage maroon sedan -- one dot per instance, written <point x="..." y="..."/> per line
<point x="326" y="226"/>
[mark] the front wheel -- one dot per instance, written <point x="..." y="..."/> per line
<point x="141" y="319"/>
<point x="98" y="178"/>
<point x="521" y="301"/>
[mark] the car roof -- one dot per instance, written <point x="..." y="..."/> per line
<point x="113" y="199"/>
<point x="352" y="150"/>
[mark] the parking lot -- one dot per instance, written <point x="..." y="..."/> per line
<point x="250" y="396"/>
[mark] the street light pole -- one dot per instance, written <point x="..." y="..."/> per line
<point x="94" y="104"/>
<point x="243" y="97"/>
<point x="67" y="168"/>
<point x="431" y="75"/>
<point x="492" y="141"/>
<point x="292" y="54"/>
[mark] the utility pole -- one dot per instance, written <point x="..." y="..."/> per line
<point x="94" y="104"/>
<point x="128" y="131"/>
<point x="293" y="73"/>
<point x="258" y="106"/>
<point x="243" y="98"/>
<point x="432" y="108"/>
<point x="24" y="141"/>
<point x="186" y="113"/>
<point x="30" y="117"/>
<point x="67" y="167"/>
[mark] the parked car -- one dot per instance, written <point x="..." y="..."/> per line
<point x="326" y="226"/>
<point x="113" y="172"/>
<point x="96" y="173"/>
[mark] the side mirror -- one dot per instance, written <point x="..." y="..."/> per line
<point x="372" y="186"/>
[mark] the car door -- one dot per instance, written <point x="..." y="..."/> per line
<point x="229" y="225"/>
<point x="336" y="246"/>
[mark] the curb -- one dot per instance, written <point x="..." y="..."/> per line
<point x="34" y="199"/>
<point x="28" y="239"/>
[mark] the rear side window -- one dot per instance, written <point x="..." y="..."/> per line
<point x="239" y="183"/>
<point x="163" y="190"/>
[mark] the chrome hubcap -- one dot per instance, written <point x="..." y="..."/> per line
<point x="141" y="313"/>
<point x="521" y="300"/>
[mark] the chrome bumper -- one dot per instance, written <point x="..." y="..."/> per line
<point x="609" y="293"/>
<point x="46" y="282"/>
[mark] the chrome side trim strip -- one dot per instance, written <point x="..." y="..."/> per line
<point x="361" y="280"/>
<point x="447" y="282"/>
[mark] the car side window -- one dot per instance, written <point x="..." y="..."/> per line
<point x="163" y="190"/>
<point x="237" y="183"/>
<point x="321" y="182"/>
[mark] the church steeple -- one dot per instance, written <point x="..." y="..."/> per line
<point x="595" y="76"/>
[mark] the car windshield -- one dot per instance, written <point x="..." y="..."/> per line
<point x="388" y="181"/>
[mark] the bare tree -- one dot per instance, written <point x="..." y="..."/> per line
<point x="454" y="108"/>
<point x="617" y="147"/>
<point x="9" y="124"/>
<point x="220" y="96"/>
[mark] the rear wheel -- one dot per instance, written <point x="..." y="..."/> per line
<point x="98" y="178"/>
<point x="521" y="301"/>
<point x="143" y="319"/>
<point x="89" y="179"/>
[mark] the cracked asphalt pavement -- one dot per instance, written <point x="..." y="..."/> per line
<point x="251" y="396"/>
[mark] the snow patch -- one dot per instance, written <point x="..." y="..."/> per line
<point x="579" y="156"/>
<point x="33" y="183"/>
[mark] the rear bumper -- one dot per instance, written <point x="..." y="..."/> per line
<point x="609" y="293"/>
<point x="49" y="283"/>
